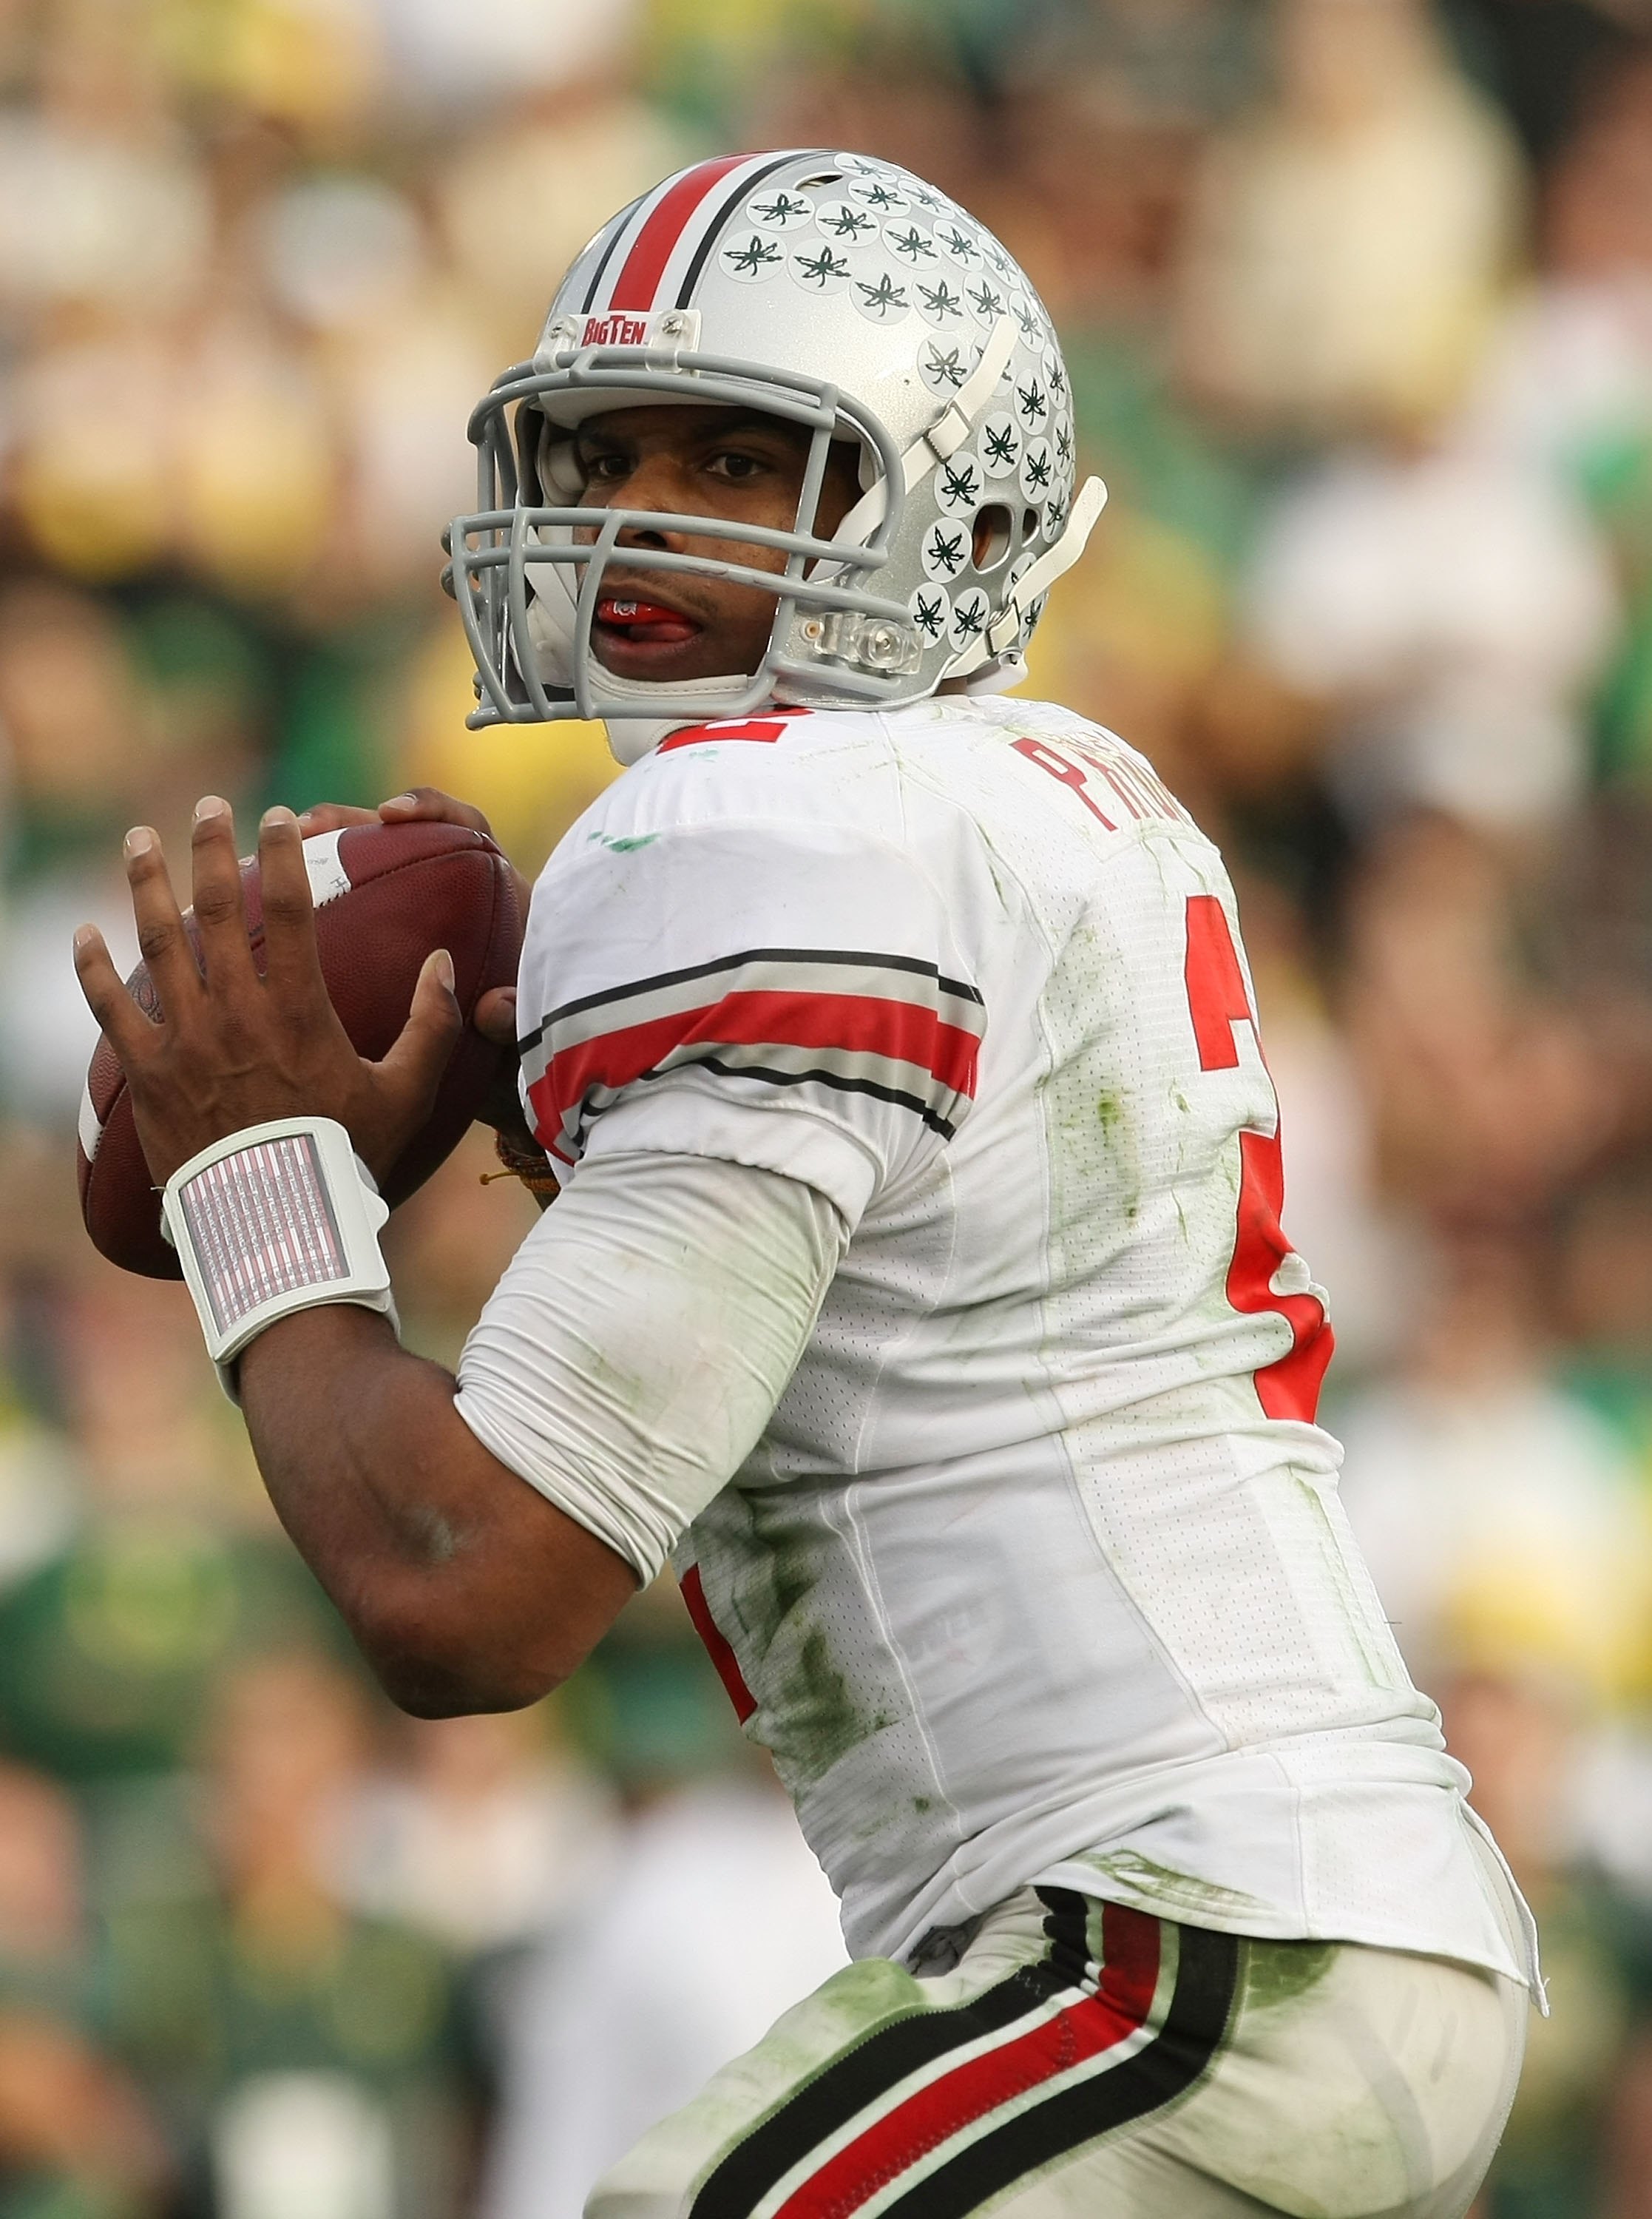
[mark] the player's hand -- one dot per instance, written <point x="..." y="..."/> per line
<point x="494" y="1018"/>
<point x="419" y="804"/>
<point x="233" y="1049"/>
<point x="494" y="1015"/>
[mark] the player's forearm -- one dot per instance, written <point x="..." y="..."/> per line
<point x="619" y="1374"/>
<point x="465" y="1589"/>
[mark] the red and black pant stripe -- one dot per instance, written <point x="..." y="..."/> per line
<point x="1105" y="2067"/>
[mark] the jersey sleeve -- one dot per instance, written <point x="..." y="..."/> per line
<point x="637" y="1344"/>
<point x="784" y="995"/>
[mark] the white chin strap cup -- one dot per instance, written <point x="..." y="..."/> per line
<point x="552" y="630"/>
<point x="278" y="1218"/>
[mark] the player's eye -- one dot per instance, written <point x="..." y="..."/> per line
<point x="739" y="469"/>
<point x="606" y="468"/>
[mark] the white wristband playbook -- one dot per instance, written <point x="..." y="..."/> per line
<point x="278" y="1218"/>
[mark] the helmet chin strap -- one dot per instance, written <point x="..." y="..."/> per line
<point x="550" y="618"/>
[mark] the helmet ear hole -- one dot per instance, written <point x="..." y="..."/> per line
<point x="995" y="532"/>
<point x="1029" y="526"/>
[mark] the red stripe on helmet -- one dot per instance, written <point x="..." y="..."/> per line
<point x="634" y="287"/>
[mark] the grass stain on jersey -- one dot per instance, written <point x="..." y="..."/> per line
<point x="1167" y="1893"/>
<point x="821" y="1722"/>
<point x="1276" y="1973"/>
<point x="809" y="1712"/>
<point x="1113" y="1118"/>
<point x="626" y="843"/>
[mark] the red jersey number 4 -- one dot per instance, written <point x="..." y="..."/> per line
<point x="1218" y="1002"/>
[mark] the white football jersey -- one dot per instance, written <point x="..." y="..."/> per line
<point x="1039" y="1571"/>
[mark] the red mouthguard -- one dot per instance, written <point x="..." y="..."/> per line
<point x="613" y="609"/>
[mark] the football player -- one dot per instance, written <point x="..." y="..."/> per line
<point x="916" y="1285"/>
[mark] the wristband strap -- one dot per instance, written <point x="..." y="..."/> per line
<point x="280" y="1217"/>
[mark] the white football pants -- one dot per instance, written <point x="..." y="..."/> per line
<point x="1082" y="2060"/>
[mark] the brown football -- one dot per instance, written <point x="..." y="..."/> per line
<point x="385" y="896"/>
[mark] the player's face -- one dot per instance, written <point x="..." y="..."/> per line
<point x="666" y="626"/>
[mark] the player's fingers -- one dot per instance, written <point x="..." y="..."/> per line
<point x="428" y="804"/>
<point x="118" y="1017"/>
<point x="162" y="941"/>
<point x="413" y="1067"/>
<point x="333" y="817"/>
<point x="494" y="1017"/>
<point x="292" y="963"/>
<point x="220" y="915"/>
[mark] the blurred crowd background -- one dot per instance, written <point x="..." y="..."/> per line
<point x="1357" y="301"/>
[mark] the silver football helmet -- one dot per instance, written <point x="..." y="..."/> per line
<point x="847" y="296"/>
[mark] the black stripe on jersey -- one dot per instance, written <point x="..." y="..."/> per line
<point x="957" y="987"/>
<point x="614" y="238"/>
<point x="1206" y="1976"/>
<point x="936" y="1123"/>
<point x="867" y="2072"/>
<point x="713" y="231"/>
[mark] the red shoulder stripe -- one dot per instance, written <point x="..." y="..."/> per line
<point x="854" y="1024"/>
